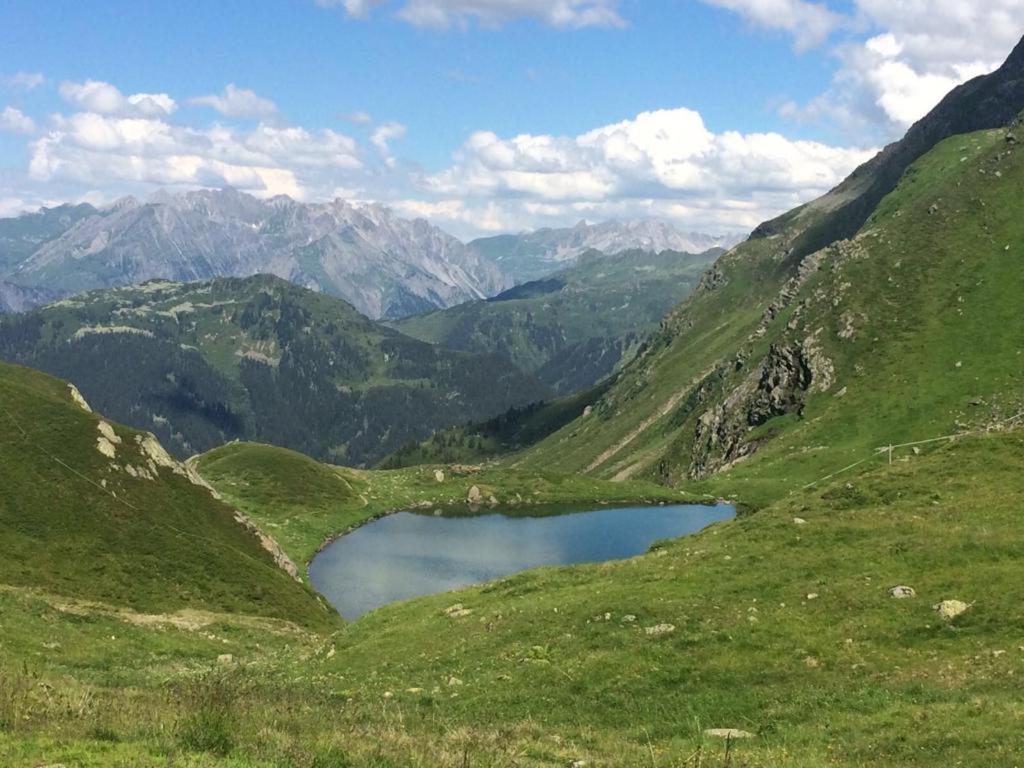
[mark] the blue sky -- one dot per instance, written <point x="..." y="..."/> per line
<point x="479" y="114"/>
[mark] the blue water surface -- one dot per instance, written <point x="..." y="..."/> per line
<point x="410" y="554"/>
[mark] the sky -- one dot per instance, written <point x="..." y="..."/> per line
<point x="483" y="116"/>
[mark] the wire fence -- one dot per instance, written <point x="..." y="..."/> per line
<point x="888" y="449"/>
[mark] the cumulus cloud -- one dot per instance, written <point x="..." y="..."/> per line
<point x="90" y="146"/>
<point x="809" y="23"/>
<point x="237" y="102"/>
<point x="13" y="120"/>
<point x="665" y="162"/>
<point x="442" y="14"/>
<point x="927" y="48"/>
<point x="105" y="99"/>
<point x="24" y="81"/>
<point x="909" y="55"/>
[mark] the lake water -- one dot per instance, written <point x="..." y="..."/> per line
<point x="409" y="554"/>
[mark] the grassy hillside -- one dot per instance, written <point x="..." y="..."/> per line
<point x="302" y="502"/>
<point x="784" y="629"/>
<point x="574" y="327"/>
<point x="904" y="333"/>
<point x="259" y="358"/>
<point x="95" y="511"/>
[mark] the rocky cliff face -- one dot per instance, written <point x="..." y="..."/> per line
<point x="384" y="265"/>
<point x="15" y="298"/>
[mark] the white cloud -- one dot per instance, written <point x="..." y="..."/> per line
<point x="442" y="14"/>
<point x="13" y="120"/>
<point x="926" y="49"/>
<point x="237" y="102"/>
<point x="809" y="23"/>
<point x="664" y="163"/>
<point x="96" y="148"/>
<point x="382" y="137"/>
<point x="911" y="53"/>
<point x="105" y="99"/>
<point x="24" y="81"/>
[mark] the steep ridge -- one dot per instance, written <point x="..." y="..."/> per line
<point x="988" y="101"/>
<point x="575" y="327"/>
<point x="96" y="511"/>
<point x="755" y="360"/>
<point x="259" y="358"/>
<point x="383" y="264"/>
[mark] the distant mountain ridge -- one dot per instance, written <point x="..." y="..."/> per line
<point x="533" y="255"/>
<point x="382" y="264"/>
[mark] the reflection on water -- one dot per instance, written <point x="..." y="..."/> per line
<point x="405" y="555"/>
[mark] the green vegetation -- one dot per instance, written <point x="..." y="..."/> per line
<point x="781" y="629"/>
<point x="259" y="358"/>
<point x="515" y="429"/>
<point x="129" y="529"/>
<point x="905" y="333"/>
<point x="303" y="503"/>
<point x="576" y="326"/>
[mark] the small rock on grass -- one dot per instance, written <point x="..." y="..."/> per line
<point x="457" y="611"/>
<point x="950" y="609"/>
<point x="902" y="592"/>
<point x="728" y="733"/>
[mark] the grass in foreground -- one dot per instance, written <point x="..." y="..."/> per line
<point x="780" y="628"/>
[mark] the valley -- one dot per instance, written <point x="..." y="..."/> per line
<point x="574" y="327"/>
<point x="287" y="482"/>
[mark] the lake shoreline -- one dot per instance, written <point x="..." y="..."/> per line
<point x="418" y="551"/>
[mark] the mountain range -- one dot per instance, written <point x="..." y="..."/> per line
<point x="533" y="255"/>
<point x="384" y="265"/>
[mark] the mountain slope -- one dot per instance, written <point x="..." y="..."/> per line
<point x="382" y="264"/>
<point x="22" y="235"/>
<point x="96" y="511"/>
<point x="534" y="255"/>
<point x="573" y="328"/>
<point x="813" y="361"/>
<point x="259" y="358"/>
